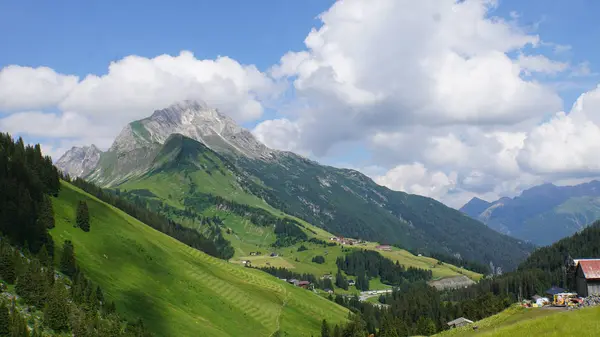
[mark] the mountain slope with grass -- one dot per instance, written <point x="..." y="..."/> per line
<point x="542" y="214"/>
<point x="228" y="161"/>
<point x="176" y="289"/>
<point x="517" y="321"/>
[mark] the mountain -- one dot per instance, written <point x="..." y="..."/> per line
<point x="211" y="155"/>
<point x="79" y="161"/>
<point x="176" y="289"/>
<point x="542" y="214"/>
<point x="475" y="207"/>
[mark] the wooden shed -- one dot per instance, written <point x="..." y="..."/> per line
<point x="587" y="277"/>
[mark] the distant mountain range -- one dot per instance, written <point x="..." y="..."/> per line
<point x="188" y="150"/>
<point x="542" y="214"/>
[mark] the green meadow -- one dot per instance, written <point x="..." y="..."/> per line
<point x="177" y="290"/>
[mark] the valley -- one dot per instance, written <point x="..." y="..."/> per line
<point x="177" y="289"/>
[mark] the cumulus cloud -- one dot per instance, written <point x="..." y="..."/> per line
<point x="567" y="144"/>
<point x="444" y="96"/>
<point x="540" y="64"/>
<point x="135" y="86"/>
<point x="417" y="179"/>
<point x="95" y="108"/>
<point x="389" y="64"/>
<point x="32" y="88"/>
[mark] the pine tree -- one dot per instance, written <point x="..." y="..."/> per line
<point x="325" y="331"/>
<point x="4" y="320"/>
<point x="83" y="217"/>
<point x="56" y="312"/>
<point x="341" y="281"/>
<point x="7" y="266"/>
<point x="46" y="213"/>
<point x="337" y="331"/>
<point x="99" y="296"/>
<point x="67" y="260"/>
<point x="44" y="257"/>
<point x="425" y="326"/>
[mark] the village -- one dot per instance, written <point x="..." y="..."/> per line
<point x="583" y="274"/>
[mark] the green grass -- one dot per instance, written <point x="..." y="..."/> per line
<point x="517" y="321"/>
<point x="172" y="187"/>
<point x="177" y="290"/>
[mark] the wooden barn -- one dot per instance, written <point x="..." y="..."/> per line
<point x="587" y="277"/>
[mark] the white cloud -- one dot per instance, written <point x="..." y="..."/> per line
<point x="278" y="134"/>
<point x="32" y="88"/>
<point x="417" y="179"/>
<point x="568" y="144"/>
<point x="135" y="86"/>
<point x="540" y="64"/>
<point x="380" y="66"/>
<point x="431" y="88"/>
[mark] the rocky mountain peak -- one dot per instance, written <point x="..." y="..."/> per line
<point x="79" y="161"/>
<point x="196" y="120"/>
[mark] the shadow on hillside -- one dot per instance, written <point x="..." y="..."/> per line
<point x="139" y="305"/>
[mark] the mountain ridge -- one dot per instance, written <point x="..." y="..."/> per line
<point x="542" y="214"/>
<point x="342" y="201"/>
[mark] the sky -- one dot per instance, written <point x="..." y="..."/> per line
<point x="444" y="98"/>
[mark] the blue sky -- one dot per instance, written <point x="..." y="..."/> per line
<point x="335" y="78"/>
<point x="81" y="37"/>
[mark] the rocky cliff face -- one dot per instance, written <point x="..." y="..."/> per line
<point x="194" y="120"/>
<point x="79" y="161"/>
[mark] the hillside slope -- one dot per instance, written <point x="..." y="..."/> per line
<point x="341" y="201"/>
<point x="542" y="214"/>
<point x="177" y="290"/>
<point x="517" y="321"/>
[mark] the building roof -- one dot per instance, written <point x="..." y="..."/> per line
<point x="301" y="283"/>
<point x="554" y="290"/>
<point x="590" y="268"/>
<point x="460" y="320"/>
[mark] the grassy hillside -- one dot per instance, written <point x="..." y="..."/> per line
<point x="517" y="321"/>
<point x="185" y="170"/>
<point x="177" y="290"/>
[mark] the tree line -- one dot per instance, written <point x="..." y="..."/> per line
<point x="27" y="181"/>
<point x="460" y="262"/>
<point x="416" y="308"/>
<point x="188" y="236"/>
<point x="287" y="274"/>
<point x="371" y="264"/>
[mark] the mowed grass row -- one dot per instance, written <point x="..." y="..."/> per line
<point x="517" y="321"/>
<point x="248" y="237"/>
<point x="177" y="290"/>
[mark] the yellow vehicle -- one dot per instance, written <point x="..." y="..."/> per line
<point x="565" y="299"/>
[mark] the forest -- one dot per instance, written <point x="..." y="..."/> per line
<point x="373" y="264"/>
<point x="65" y="299"/>
<point x="416" y="308"/>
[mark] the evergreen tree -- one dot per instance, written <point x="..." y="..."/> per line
<point x="44" y="257"/>
<point x="83" y="217"/>
<point x="67" y="260"/>
<point x="99" y="295"/>
<point x="337" y="331"/>
<point x="56" y="312"/>
<point x="4" y="320"/>
<point x="18" y="326"/>
<point x="425" y="326"/>
<point x="32" y="284"/>
<point x="325" y="331"/>
<point x="362" y="282"/>
<point x="46" y="213"/>
<point x="341" y="281"/>
<point x="7" y="266"/>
